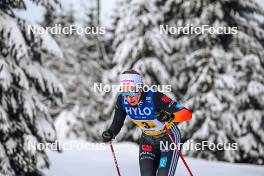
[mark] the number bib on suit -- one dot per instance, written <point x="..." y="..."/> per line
<point x="143" y="115"/>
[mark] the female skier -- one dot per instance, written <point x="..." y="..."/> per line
<point x="153" y="112"/>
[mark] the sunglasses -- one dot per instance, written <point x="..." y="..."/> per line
<point x="131" y="94"/>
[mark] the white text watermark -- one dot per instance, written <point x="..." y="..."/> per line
<point x="58" y="29"/>
<point x="199" y="146"/>
<point x="100" y="87"/>
<point x="66" y="146"/>
<point x="203" y="29"/>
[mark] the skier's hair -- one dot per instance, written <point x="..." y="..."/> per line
<point x="131" y="72"/>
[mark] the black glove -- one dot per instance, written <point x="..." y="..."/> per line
<point x="107" y="135"/>
<point x="164" y="116"/>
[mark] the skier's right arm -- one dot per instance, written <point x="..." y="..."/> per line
<point x="117" y="123"/>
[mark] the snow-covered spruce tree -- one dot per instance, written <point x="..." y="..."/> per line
<point x="222" y="77"/>
<point x="27" y="90"/>
<point x="82" y="67"/>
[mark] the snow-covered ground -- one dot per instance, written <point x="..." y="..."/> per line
<point x="100" y="163"/>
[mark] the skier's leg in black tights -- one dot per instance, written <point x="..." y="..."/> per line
<point x="156" y="162"/>
<point x="169" y="158"/>
<point x="147" y="157"/>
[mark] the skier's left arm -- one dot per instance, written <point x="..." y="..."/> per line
<point x="170" y="109"/>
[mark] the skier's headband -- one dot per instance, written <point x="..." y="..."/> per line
<point x="130" y="84"/>
<point x="130" y="79"/>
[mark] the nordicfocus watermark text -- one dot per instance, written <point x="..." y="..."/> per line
<point x="100" y="87"/>
<point x="66" y="30"/>
<point x="66" y="146"/>
<point x="203" y="29"/>
<point x="199" y="146"/>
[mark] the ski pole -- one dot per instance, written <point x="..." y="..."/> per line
<point x="115" y="160"/>
<point x="180" y="154"/>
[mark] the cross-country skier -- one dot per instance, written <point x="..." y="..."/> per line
<point x="152" y="111"/>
